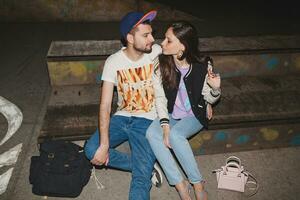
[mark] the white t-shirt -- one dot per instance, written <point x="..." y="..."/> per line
<point x="134" y="83"/>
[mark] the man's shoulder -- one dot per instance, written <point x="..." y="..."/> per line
<point x="114" y="57"/>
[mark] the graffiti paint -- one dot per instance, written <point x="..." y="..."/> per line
<point x="4" y="179"/>
<point x="196" y="142"/>
<point x="13" y="116"/>
<point x="91" y="66"/>
<point x="297" y="62"/>
<point x="10" y="157"/>
<point x="75" y="72"/>
<point x="295" y="141"/>
<point x="98" y="78"/>
<point x="220" y="136"/>
<point x="272" y="63"/>
<point x="242" y="139"/>
<point x="201" y="151"/>
<point x="206" y="136"/>
<point x="269" y="134"/>
<point x="79" y="70"/>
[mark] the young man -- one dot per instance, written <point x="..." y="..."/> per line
<point x="140" y="98"/>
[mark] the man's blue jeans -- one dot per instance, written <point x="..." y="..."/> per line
<point x="141" y="160"/>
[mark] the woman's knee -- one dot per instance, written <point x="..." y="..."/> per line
<point x="175" y="136"/>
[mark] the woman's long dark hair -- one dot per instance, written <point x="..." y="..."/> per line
<point x="188" y="36"/>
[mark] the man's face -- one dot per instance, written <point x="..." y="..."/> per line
<point x="142" y="38"/>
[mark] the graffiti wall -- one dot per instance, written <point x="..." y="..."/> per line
<point x="242" y="139"/>
<point x="75" y="72"/>
<point x="260" y="64"/>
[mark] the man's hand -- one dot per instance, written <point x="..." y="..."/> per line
<point x="166" y="132"/>
<point x="101" y="156"/>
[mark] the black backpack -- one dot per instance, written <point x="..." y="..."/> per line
<point x="61" y="170"/>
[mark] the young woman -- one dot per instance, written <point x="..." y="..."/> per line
<point x="190" y="87"/>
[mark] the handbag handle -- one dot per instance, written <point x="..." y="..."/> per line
<point x="233" y="164"/>
<point x="235" y="159"/>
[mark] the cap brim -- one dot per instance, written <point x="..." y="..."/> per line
<point x="148" y="16"/>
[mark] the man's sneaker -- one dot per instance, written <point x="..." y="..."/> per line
<point x="157" y="177"/>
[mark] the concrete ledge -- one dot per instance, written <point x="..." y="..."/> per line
<point x="81" y="62"/>
<point x="239" y="45"/>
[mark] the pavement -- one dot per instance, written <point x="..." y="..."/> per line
<point x="24" y="81"/>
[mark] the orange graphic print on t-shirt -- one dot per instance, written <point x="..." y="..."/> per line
<point x="135" y="87"/>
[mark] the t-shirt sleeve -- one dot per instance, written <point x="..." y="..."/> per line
<point x="156" y="50"/>
<point x="109" y="71"/>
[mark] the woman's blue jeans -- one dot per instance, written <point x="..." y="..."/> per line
<point x="141" y="160"/>
<point x="181" y="130"/>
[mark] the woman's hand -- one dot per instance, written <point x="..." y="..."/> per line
<point x="166" y="136"/>
<point x="213" y="80"/>
<point x="209" y="111"/>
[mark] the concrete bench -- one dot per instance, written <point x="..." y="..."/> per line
<point x="259" y="107"/>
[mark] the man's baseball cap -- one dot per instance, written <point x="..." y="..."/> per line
<point x="133" y="19"/>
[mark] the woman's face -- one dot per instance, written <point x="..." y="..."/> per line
<point x="171" y="44"/>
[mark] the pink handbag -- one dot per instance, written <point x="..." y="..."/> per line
<point x="232" y="176"/>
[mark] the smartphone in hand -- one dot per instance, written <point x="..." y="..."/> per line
<point x="210" y="69"/>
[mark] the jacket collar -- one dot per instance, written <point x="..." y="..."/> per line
<point x="189" y="71"/>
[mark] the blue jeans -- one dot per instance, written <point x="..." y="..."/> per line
<point x="180" y="131"/>
<point x="141" y="160"/>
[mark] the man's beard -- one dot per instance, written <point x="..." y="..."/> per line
<point x="143" y="50"/>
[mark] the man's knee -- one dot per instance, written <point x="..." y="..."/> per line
<point x="143" y="165"/>
<point x="91" y="145"/>
<point x="89" y="150"/>
<point x="142" y="180"/>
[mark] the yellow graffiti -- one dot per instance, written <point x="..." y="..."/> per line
<point x="78" y="70"/>
<point x="206" y="136"/>
<point x="297" y="62"/>
<point x="269" y="134"/>
<point x="61" y="71"/>
<point x="196" y="142"/>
